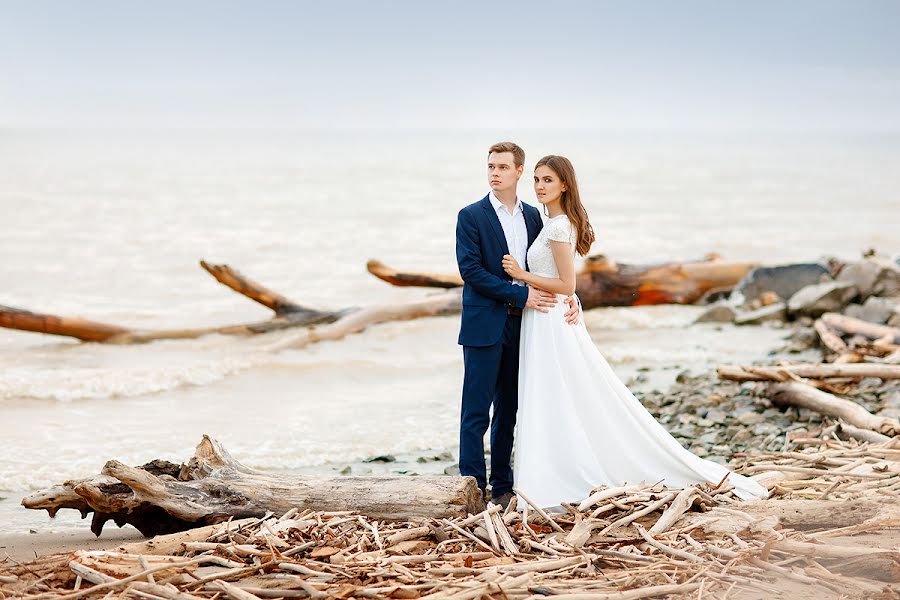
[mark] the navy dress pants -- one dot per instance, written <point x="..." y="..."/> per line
<point x="491" y="378"/>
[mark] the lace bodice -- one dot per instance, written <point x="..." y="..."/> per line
<point x="540" y="255"/>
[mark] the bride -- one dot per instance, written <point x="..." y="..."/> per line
<point x="578" y="425"/>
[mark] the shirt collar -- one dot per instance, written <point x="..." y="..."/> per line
<point x="499" y="205"/>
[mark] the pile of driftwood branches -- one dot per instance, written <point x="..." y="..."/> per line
<point x="854" y="340"/>
<point x="636" y="541"/>
<point x="817" y="387"/>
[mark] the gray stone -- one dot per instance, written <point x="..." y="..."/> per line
<point x="752" y="418"/>
<point x="773" y="312"/>
<point x="888" y="283"/>
<point x="708" y="438"/>
<point x="874" y="309"/>
<point x="699" y="451"/>
<point x="765" y="429"/>
<point x="815" y="300"/>
<point x="862" y="274"/>
<point x="720" y="312"/>
<point x="715" y="415"/>
<point x="686" y="418"/>
<point x="386" y="458"/>
<point x="452" y="470"/>
<point x="784" y="280"/>
<point x="742" y="436"/>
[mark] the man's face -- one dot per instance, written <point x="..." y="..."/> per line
<point x="503" y="174"/>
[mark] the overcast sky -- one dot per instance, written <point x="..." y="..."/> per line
<point x="787" y="65"/>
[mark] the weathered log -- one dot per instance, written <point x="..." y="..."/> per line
<point x="213" y="487"/>
<point x="442" y="304"/>
<point x="288" y="315"/>
<point x="258" y="293"/>
<point x="814" y="371"/>
<point x="851" y="326"/>
<point x="805" y="396"/>
<point x="603" y="282"/>
<point x="845" y="431"/>
<point x="394" y="277"/>
<point x="83" y="329"/>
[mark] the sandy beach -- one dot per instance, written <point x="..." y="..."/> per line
<point x="26" y="546"/>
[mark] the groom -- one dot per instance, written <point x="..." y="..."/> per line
<point x="492" y="306"/>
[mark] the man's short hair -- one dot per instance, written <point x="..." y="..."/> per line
<point x="518" y="153"/>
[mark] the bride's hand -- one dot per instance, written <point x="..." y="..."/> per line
<point x="512" y="268"/>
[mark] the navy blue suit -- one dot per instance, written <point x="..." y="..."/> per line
<point x="490" y="340"/>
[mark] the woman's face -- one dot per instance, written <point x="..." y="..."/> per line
<point x="547" y="185"/>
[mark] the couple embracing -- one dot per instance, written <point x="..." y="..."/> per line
<point x="528" y="355"/>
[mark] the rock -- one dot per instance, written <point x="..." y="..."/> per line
<point x="708" y="438"/>
<point x="452" y="470"/>
<point x="751" y="418"/>
<point x="742" y="436"/>
<point x="346" y="470"/>
<point x="768" y="298"/>
<point x="699" y="451"/>
<point x="888" y="283"/>
<point x="765" y="429"/>
<point x="773" y="312"/>
<point x="386" y="458"/>
<point x="892" y="399"/>
<point x="439" y="457"/>
<point x="716" y="416"/>
<point x="720" y="312"/>
<point x="874" y="309"/>
<point x="891" y="411"/>
<point x="783" y="280"/>
<point x="816" y="300"/>
<point x="862" y="274"/>
<point x="687" y="418"/>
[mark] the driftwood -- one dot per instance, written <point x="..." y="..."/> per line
<point x="317" y="325"/>
<point x="211" y="487"/>
<point x="287" y="315"/>
<point x="603" y="282"/>
<point x="852" y="326"/>
<point x="805" y="396"/>
<point x="814" y="371"/>
<point x="866" y="339"/>
<point x="696" y="541"/>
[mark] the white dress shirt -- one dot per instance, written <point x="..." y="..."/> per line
<point x="514" y="230"/>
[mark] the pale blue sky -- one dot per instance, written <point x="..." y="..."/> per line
<point x="711" y="65"/>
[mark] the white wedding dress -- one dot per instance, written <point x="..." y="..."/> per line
<point x="578" y="426"/>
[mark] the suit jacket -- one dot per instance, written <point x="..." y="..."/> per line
<point x="487" y="289"/>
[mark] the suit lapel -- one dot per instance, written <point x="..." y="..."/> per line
<point x="494" y="220"/>
<point x="531" y="225"/>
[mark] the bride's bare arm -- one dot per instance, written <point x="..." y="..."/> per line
<point x="565" y="265"/>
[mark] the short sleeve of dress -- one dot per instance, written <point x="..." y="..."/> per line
<point x="561" y="230"/>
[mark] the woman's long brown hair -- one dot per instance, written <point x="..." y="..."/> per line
<point x="571" y="200"/>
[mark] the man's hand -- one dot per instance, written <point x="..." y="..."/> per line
<point x="572" y="313"/>
<point x="541" y="300"/>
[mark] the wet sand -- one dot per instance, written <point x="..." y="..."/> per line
<point x="28" y="546"/>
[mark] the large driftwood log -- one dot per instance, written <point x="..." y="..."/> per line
<point x="212" y="487"/>
<point x="805" y="396"/>
<point x="813" y="371"/>
<point x="603" y="282"/>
